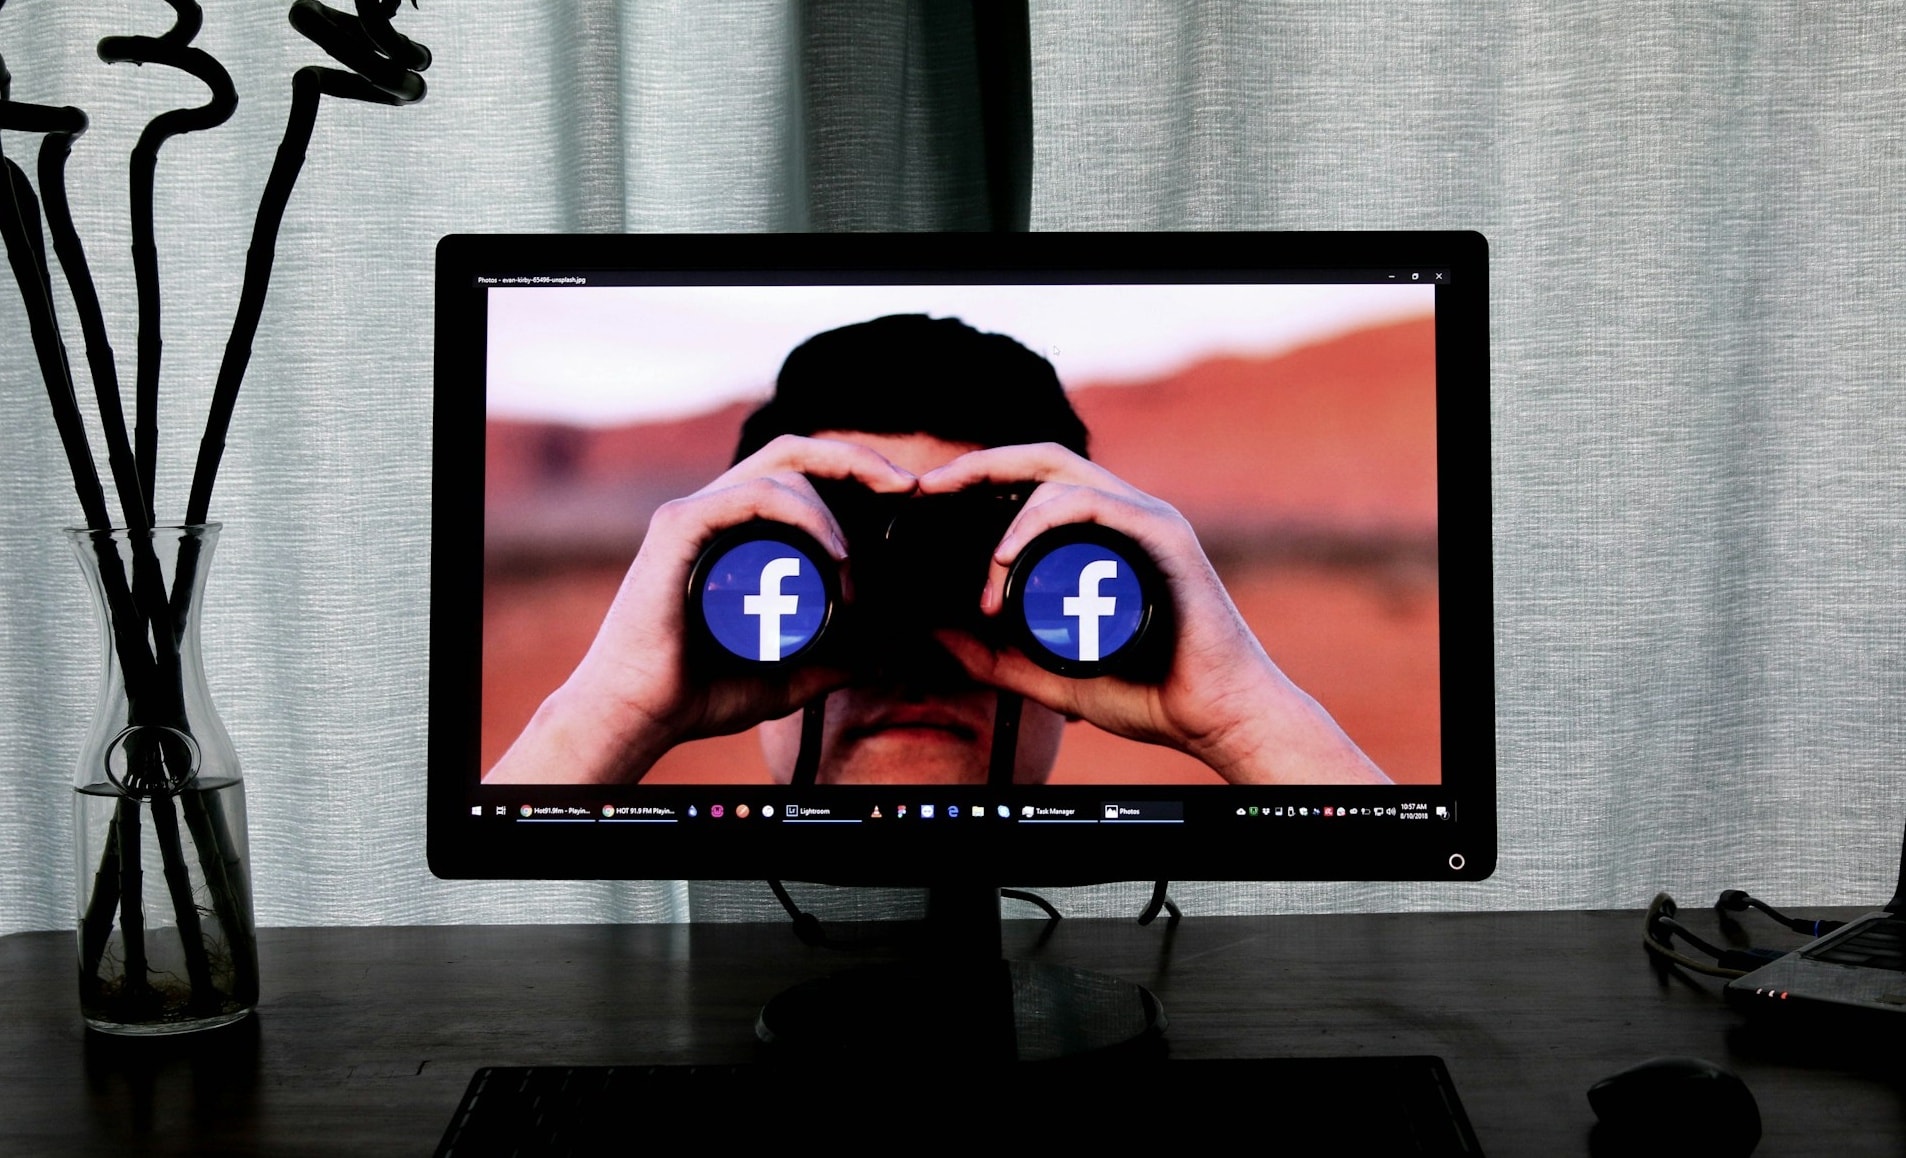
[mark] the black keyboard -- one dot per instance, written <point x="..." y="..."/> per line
<point x="1391" y="1105"/>
<point x="1880" y="945"/>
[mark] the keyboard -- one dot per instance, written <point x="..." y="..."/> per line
<point x="1394" y="1105"/>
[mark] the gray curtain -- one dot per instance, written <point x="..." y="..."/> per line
<point x="1696" y="224"/>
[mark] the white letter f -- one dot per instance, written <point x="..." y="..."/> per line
<point x="771" y="604"/>
<point x="1090" y="607"/>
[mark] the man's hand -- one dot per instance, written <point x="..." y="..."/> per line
<point x="1223" y="702"/>
<point x="630" y="699"/>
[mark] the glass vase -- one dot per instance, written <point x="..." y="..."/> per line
<point x="166" y="937"/>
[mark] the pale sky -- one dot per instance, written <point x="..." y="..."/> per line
<point x="606" y="355"/>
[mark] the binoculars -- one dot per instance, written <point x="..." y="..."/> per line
<point x="1082" y="600"/>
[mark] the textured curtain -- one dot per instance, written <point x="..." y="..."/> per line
<point x="1696" y="224"/>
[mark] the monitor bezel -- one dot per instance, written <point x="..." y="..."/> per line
<point x="460" y="846"/>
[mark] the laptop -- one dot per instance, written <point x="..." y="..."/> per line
<point x="1856" y="970"/>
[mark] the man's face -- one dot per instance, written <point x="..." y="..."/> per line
<point x="897" y="734"/>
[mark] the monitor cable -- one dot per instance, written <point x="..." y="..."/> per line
<point x="1005" y="754"/>
<point x="1662" y="925"/>
<point x="809" y="930"/>
<point x="1053" y="916"/>
<point x="1160" y="900"/>
<point x="807" y="764"/>
<point x="807" y="926"/>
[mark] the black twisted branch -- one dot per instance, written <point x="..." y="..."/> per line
<point x="55" y="148"/>
<point x="129" y="610"/>
<point x="172" y="50"/>
<point x="131" y="607"/>
<point x="384" y="70"/>
<point x="61" y="127"/>
<point x="26" y="251"/>
<point x="26" y="248"/>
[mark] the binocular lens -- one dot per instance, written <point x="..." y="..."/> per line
<point x="1081" y="600"/>
<point x="1087" y="601"/>
<point x="763" y="592"/>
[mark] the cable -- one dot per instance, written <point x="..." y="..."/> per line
<point x="1659" y="928"/>
<point x="807" y="926"/>
<point x="1160" y="900"/>
<point x="1738" y="901"/>
<point x="1052" y="912"/>
<point x="1005" y="754"/>
<point x="807" y="761"/>
<point x="810" y="931"/>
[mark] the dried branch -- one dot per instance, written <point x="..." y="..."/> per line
<point x="378" y="76"/>
<point x="146" y="626"/>
<point x="54" y="150"/>
<point x="172" y="50"/>
<point x="26" y="252"/>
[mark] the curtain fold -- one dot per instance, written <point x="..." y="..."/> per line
<point x="1696" y="227"/>
<point x="1697" y="232"/>
<point x="588" y="87"/>
<point x="916" y="116"/>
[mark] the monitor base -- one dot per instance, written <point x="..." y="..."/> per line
<point x="983" y="1011"/>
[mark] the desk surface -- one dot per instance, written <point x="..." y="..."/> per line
<point x="366" y="1037"/>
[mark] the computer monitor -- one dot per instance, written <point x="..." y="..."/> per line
<point x="1289" y="434"/>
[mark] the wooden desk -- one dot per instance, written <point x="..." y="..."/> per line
<point x="366" y="1037"/>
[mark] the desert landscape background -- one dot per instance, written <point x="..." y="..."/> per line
<point x="1310" y="477"/>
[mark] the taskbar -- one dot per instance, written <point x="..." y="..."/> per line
<point x="1050" y="834"/>
<point x="862" y="807"/>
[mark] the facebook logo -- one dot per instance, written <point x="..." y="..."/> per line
<point x="771" y="603"/>
<point x="764" y="600"/>
<point x="1083" y="602"/>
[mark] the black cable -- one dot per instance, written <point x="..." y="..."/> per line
<point x="1657" y="932"/>
<point x="807" y="926"/>
<point x="1659" y="928"/>
<point x="810" y="931"/>
<point x="807" y="765"/>
<point x="1005" y="755"/>
<point x="1052" y="912"/>
<point x="1160" y="900"/>
<point x="1738" y="901"/>
<point x="1688" y="935"/>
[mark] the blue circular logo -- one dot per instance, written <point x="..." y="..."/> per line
<point x="764" y="600"/>
<point x="1083" y="602"/>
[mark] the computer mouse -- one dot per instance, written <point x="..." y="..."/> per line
<point x="1673" y="1104"/>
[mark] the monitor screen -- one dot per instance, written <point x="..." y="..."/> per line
<point x="1011" y="558"/>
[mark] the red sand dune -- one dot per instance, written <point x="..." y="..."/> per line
<point x="1333" y="434"/>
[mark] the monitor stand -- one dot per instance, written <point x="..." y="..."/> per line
<point x="959" y="999"/>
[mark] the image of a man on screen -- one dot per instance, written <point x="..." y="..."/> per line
<point x="908" y="408"/>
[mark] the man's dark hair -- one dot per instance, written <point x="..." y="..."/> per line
<point x="911" y="374"/>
